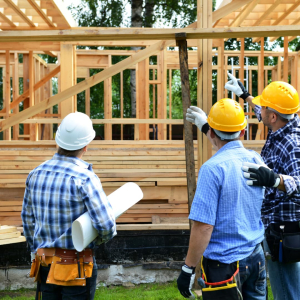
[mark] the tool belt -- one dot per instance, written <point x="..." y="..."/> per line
<point x="67" y="267"/>
<point x="284" y="241"/>
<point x="221" y="281"/>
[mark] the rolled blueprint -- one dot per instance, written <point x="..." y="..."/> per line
<point x="83" y="232"/>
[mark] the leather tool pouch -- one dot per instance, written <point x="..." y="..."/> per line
<point x="65" y="268"/>
<point x="221" y="280"/>
<point x="35" y="269"/>
<point x="290" y="242"/>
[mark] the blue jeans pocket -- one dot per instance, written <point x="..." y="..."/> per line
<point x="260" y="284"/>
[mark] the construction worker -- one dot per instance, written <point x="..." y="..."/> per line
<point x="227" y="230"/>
<point x="276" y="107"/>
<point x="57" y="193"/>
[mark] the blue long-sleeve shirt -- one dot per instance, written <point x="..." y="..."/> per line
<point x="57" y="193"/>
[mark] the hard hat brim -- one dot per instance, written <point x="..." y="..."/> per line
<point x="257" y="101"/>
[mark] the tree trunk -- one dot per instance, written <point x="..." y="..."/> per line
<point x="136" y="21"/>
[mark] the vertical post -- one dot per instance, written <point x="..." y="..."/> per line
<point x="67" y="77"/>
<point x="7" y="132"/>
<point x="108" y="104"/>
<point x="186" y="103"/>
<point x="220" y="77"/>
<point x="25" y="88"/>
<point x="16" y="92"/>
<point x="241" y="71"/>
<point x="33" y="127"/>
<point x="286" y="59"/>
<point x="170" y="103"/>
<point x="87" y="97"/>
<point x="260" y="80"/>
<point x="121" y="101"/>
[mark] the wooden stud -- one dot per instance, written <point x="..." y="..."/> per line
<point x="33" y="127"/>
<point x="88" y="97"/>
<point x="220" y="77"/>
<point x="67" y="78"/>
<point x="108" y="104"/>
<point x="16" y="92"/>
<point x="286" y="59"/>
<point x="170" y="103"/>
<point x="122" y="102"/>
<point x="7" y="133"/>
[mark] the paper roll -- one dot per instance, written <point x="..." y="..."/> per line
<point x="83" y="232"/>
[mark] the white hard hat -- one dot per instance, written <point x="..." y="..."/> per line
<point x="75" y="132"/>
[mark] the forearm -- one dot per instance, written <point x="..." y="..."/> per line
<point x="199" y="239"/>
<point x="249" y="101"/>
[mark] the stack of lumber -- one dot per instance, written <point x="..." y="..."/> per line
<point x="158" y="167"/>
<point x="10" y="235"/>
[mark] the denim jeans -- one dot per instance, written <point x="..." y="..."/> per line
<point x="57" y="292"/>
<point x="253" y="275"/>
<point x="284" y="278"/>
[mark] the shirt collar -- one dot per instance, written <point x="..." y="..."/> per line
<point x="75" y="160"/>
<point x="230" y="145"/>
<point x="281" y="132"/>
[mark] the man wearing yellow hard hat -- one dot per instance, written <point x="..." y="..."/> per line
<point x="277" y="108"/>
<point x="227" y="228"/>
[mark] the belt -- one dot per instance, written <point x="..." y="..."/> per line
<point x="289" y="227"/>
<point x="67" y="256"/>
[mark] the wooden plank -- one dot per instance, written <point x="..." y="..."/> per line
<point x="16" y="92"/>
<point x="10" y="235"/>
<point x="166" y="34"/>
<point x="7" y="99"/>
<point x="286" y="59"/>
<point x="19" y="239"/>
<point x="83" y="85"/>
<point x="67" y="78"/>
<point x="108" y="104"/>
<point x="42" y="13"/>
<point x="33" y="127"/>
<point x="7" y="229"/>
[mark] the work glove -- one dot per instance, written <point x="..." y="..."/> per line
<point x="236" y="87"/>
<point x="185" y="281"/>
<point x="198" y="117"/>
<point x="260" y="174"/>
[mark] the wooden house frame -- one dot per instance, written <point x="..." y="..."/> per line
<point x="32" y="27"/>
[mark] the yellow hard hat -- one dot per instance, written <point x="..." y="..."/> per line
<point x="280" y="96"/>
<point x="227" y="115"/>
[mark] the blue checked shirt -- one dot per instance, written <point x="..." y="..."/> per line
<point x="57" y="193"/>
<point x="281" y="153"/>
<point x="224" y="200"/>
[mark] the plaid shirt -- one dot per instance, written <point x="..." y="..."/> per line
<point x="57" y="193"/>
<point x="281" y="153"/>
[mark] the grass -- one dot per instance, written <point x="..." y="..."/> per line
<point x="166" y="291"/>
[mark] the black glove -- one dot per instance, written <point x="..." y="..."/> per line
<point x="245" y="94"/>
<point x="185" y="281"/>
<point x="260" y="174"/>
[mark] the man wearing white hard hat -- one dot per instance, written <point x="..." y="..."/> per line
<point x="57" y="193"/>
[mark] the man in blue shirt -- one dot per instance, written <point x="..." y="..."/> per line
<point x="226" y="212"/>
<point x="277" y="108"/>
<point x="57" y="193"/>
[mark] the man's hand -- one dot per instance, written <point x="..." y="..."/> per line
<point x="198" y="117"/>
<point x="32" y="256"/>
<point x="236" y="87"/>
<point x="260" y="175"/>
<point x="185" y="281"/>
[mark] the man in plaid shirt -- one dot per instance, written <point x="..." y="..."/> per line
<point x="277" y="108"/>
<point x="57" y="193"/>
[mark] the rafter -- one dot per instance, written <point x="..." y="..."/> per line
<point x="20" y="12"/>
<point x="267" y="12"/>
<point x="242" y="15"/>
<point x="6" y="18"/>
<point x="42" y="13"/>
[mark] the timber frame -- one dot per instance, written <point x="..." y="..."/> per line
<point x="154" y="154"/>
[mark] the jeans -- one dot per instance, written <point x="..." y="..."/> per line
<point x="284" y="278"/>
<point x="253" y="275"/>
<point x="58" y="292"/>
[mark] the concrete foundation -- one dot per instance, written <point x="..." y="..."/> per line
<point x="16" y="278"/>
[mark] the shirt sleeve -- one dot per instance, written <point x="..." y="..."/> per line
<point x="291" y="178"/>
<point x="257" y="111"/>
<point x="27" y="216"/>
<point x="99" y="209"/>
<point x="205" y="204"/>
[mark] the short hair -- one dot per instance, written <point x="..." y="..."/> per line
<point x="226" y="132"/>
<point x="69" y="153"/>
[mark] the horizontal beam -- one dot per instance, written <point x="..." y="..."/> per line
<point x="110" y="121"/>
<point x="147" y="33"/>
